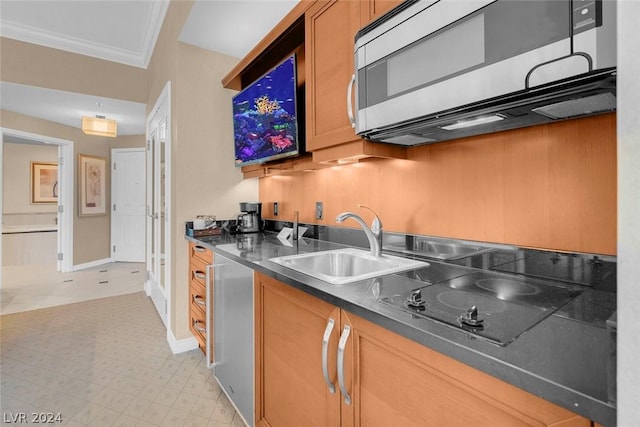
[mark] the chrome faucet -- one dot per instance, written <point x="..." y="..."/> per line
<point x="374" y="234"/>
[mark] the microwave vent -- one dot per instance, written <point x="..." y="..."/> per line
<point x="579" y="107"/>
<point x="409" y="139"/>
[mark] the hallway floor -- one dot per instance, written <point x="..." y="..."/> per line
<point x="104" y="362"/>
<point x="29" y="287"/>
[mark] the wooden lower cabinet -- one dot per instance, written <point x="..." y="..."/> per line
<point x="198" y="324"/>
<point x="199" y="260"/>
<point x="290" y="387"/>
<point x="390" y="380"/>
<point x="399" y="382"/>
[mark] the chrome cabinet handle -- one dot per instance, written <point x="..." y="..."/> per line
<point x="196" y="324"/>
<point x="341" y="346"/>
<point x="199" y="300"/>
<point x="199" y="249"/>
<point x="325" y="355"/>
<point x="199" y="274"/>
<point x="352" y="119"/>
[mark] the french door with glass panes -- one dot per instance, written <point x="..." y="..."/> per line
<point x="158" y="246"/>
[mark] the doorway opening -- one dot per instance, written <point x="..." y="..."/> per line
<point x="63" y="212"/>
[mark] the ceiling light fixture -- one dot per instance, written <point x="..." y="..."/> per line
<point x="473" y="122"/>
<point x="100" y="126"/>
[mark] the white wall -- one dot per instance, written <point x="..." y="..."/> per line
<point x="628" y="213"/>
<point x="205" y="178"/>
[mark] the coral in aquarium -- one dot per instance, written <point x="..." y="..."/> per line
<point x="264" y="105"/>
<point x="280" y="142"/>
<point x="264" y="130"/>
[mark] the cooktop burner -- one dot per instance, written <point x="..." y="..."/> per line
<point x="496" y="307"/>
<point x="462" y="301"/>
<point x="507" y="287"/>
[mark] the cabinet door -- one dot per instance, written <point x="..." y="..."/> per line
<point x="330" y="30"/>
<point x="377" y="8"/>
<point x="289" y="368"/>
<point x="398" y="382"/>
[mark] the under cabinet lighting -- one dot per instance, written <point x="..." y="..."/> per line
<point x="100" y="126"/>
<point x="473" y="122"/>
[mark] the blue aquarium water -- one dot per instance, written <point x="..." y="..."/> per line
<point x="264" y="116"/>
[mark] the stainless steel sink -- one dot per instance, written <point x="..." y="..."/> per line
<point x="436" y="249"/>
<point x="347" y="265"/>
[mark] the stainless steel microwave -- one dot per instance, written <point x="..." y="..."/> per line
<point x="440" y="69"/>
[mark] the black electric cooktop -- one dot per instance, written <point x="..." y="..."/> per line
<point x="493" y="306"/>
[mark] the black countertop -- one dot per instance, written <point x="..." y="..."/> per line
<point x="568" y="358"/>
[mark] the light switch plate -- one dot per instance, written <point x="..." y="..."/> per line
<point x="318" y="210"/>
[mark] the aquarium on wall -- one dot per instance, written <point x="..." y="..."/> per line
<point x="264" y="117"/>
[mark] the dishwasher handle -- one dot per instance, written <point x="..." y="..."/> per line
<point x="209" y="313"/>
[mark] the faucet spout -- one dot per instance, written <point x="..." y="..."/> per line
<point x="372" y="237"/>
<point x="295" y="226"/>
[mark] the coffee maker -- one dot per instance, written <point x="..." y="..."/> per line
<point x="250" y="220"/>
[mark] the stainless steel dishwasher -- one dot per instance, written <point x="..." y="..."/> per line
<point x="234" y="333"/>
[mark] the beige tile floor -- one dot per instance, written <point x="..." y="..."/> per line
<point x="29" y="287"/>
<point x="105" y="362"/>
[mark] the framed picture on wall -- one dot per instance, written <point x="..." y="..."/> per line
<point x="44" y="182"/>
<point x="91" y="185"/>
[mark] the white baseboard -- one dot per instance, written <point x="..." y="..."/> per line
<point x="91" y="264"/>
<point x="147" y="288"/>
<point x="180" y="346"/>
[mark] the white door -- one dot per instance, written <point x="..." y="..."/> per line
<point x="128" y="204"/>
<point x="158" y="200"/>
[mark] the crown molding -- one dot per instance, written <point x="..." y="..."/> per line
<point x="80" y="46"/>
<point x="152" y="29"/>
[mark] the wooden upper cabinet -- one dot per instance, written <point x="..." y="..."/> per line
<point x="326" y="30"/>
<point x="330" y="28"/>
<point x="377" y="8"/>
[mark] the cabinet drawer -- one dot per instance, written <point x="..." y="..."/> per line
<point x="198" y="296"/>
<point x="198" y="271"/>
<point x="198" y="326"/>
<point x="201" y="253"/>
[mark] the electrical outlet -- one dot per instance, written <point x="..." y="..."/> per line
<point x="275" y="208"/>
<point x="318" y="210"/>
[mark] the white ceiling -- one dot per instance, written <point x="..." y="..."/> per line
<point x="123" y="31"/>
<point x="68" y="108"/>
<point x="232" y="27"/>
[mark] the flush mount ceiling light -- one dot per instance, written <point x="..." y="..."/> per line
<point x="473" y="122"/>
<point x="100" y="126"/>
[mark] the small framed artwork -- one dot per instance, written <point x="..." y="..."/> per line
<point x="91" y="185"/>
<point x="44" y="182"/>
